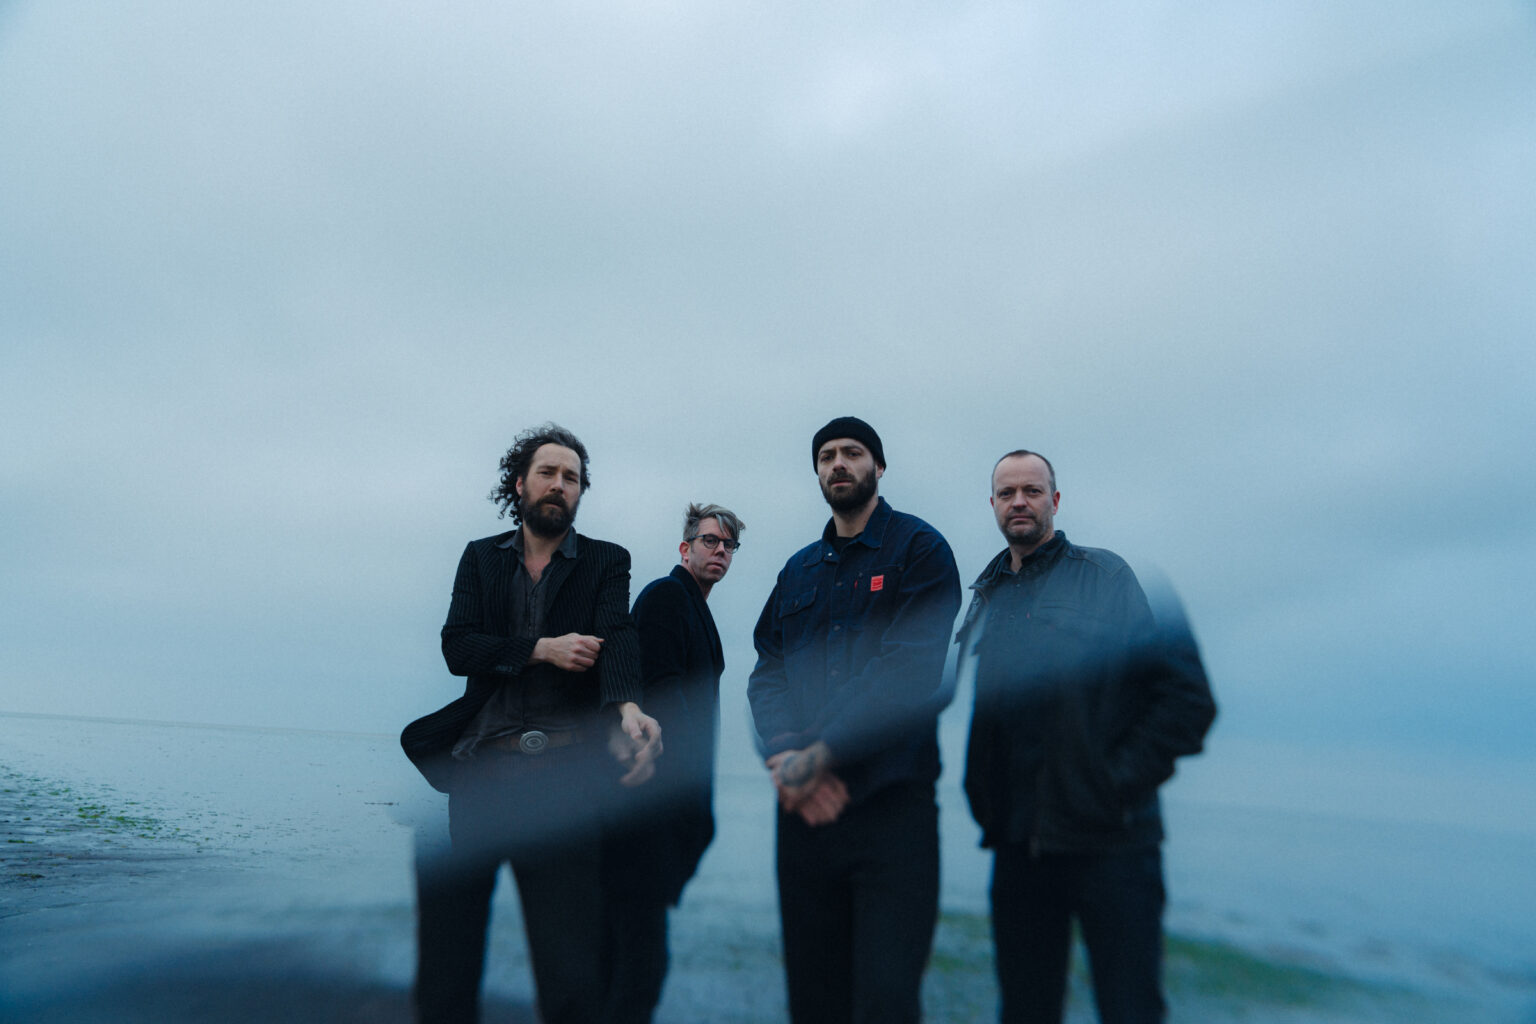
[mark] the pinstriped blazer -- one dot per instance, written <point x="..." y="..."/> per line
<point x="589" y="594"/>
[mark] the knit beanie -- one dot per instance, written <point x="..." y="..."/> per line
<point x="849" y="426"/>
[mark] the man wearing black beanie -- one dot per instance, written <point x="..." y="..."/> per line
<point x="849" y="426"/>
<point x="845" y="698"/>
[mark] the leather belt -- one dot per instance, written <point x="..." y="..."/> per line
<point x="533" y="741"/>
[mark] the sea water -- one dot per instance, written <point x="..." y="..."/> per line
<point x="327" y="820"/>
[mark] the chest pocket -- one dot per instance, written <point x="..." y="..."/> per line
<point x="795" y="618"/>
<point x="875" y="594"/>
<point x="1069" y="619"/>
<point x="1071" y="637"/>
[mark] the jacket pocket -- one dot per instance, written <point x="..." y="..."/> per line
<point x="876" y="596"/>
<point x="1070" y="621"/>
<point x="1084" y="797"/>
<point x="795" y="618"/>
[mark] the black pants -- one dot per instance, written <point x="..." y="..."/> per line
<point x="858" y="900"/>
<point x="1117" y="900"/>
<point x="651" y="847"/>
<point x="637" y="955"/>
<point x="538" y="813"/>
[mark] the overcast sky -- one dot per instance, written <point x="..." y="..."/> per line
<point x="281" y="282"/>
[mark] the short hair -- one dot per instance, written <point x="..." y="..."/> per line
<point x="697" y="513"/>
<point x="1018" y="452"/>
<point x="515" y="464"/>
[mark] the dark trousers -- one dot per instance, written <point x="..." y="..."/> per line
<point x="1117" y="900"/>
<point x="651" y="847"/>
<point x="637" y="954"/>
<point x="538" y="814"/>
<point x="858" y="900"/>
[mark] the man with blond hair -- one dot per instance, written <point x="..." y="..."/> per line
<point x="661" y="830"/>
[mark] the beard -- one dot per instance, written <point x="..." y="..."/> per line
<point x="550" y="517"/>
<point x="855" y="497"/>
<point x="1031" y="533"/>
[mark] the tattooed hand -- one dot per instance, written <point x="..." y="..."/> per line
<point x="797" y="773"/>
<point x="800" y="767"/>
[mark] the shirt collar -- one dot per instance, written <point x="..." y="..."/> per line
<point x="871" y="536"/>
<point x="999" y="566"/>
<point x="567" y="548"/>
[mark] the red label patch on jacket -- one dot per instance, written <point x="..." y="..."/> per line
<point x="876" y="583"/>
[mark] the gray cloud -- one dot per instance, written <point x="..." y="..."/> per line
<point x="280" y="285"/>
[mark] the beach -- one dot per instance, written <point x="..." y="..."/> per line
<point x="157" y="871"/>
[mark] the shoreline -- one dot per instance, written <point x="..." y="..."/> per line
<point x="62" y="844"/>
<point x="112" y="912"/>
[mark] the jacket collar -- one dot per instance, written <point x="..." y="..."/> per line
<point x="998" y="567"/>
<point x="690" y="585"/>
<point x="871" y="536"/>
<point x="701" y="606"/>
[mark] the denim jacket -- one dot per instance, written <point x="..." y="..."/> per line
<point x="851" y="651"/>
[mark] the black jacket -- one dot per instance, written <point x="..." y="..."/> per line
<point x="589" y="594"/>
<point x="1083" y="702"/>
<point x="669" y="822"/>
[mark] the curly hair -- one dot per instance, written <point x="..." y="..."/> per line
<point x="514" y="465"/>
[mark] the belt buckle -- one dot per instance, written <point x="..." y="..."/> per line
<point x="533" y="741"/>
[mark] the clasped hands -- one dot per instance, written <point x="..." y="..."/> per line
<point x="806" y="785"/>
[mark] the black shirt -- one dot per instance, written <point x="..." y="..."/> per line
<point x="531" y="699"/>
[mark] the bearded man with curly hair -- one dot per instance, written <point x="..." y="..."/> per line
<point x="539" y="625"/>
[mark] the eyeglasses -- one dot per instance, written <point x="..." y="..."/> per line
<point x="710" y="542"/>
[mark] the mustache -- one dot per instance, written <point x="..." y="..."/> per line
<point x="837" y="478"/>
